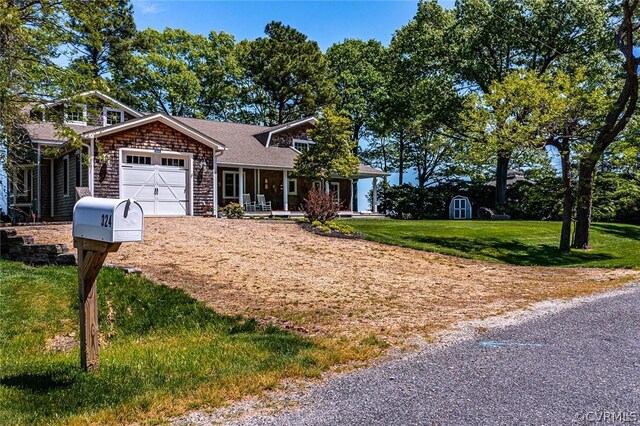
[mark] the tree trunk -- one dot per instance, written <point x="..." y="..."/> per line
<point x="567" y="203"/>
<point x="401" y="158"/>
<point x="502" y="166"/>
<point x="586" y="177"/>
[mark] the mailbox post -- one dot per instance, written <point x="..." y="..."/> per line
<point x="100" y="226"/>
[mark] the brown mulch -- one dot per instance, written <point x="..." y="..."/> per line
<point x="280" y="273"/>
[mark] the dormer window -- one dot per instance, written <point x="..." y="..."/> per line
<point x="302" y="144"/>
<point x="112" y="116"/>
<point x="75" y="114"/>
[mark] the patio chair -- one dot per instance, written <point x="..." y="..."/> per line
<point x="249" y="206"/>
<point x="262" y="203"/>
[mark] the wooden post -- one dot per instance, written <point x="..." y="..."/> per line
<point x="91" y="256"/>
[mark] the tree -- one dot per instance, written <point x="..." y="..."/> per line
<point x="184" y="74"/>
<point x="286" y="76"/>
<point x="355" y="67"/>
<point x="620" y="113"/>
<point x="332" y="153"/>
<point x="100" y="34"/>
<point x="31" y="33"/>
<point x="495" y="37"/>
<point x="421" y="98"/>
<point x="527" y="111"/>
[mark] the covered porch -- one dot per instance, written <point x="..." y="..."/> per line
<point x="283" y="193"/>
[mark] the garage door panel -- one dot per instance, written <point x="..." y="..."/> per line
<point x="172" y="177"/>
<point x="138" y="176"/>
<point x="138" y="192"/>
<point x="172" y="207"/>
<point x="172" y="193"/>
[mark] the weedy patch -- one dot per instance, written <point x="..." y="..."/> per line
<point x="331" y="228"/>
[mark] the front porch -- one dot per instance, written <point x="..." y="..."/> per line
<point x="283" y="193"/>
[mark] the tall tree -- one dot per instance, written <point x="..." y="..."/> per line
<point x="620" y="113"/>
<point x="286" y="76"/>
<point x="421" y="98"/>
<point x="100" y="37"/>
<point x="495" y="37"/>
<point x="184" y="74"/>
<point x="356" y="68"/>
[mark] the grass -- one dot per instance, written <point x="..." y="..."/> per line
<point x="162" y="352"/>
<point x="527" y="243"/>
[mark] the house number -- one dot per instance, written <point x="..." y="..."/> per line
<point x="106" y="221"/>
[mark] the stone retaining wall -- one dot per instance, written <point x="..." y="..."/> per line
<point x="22" y="248"/>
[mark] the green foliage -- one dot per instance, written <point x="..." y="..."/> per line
<point x="616" y="199"/>
<point x="183" y="74"/>
<point x="332" y="153"/>
<point x="159" y="346"/>
<point x="356" y="68"/>
<point x="233" y="211"/>
<point x="102" y="33"/>
<point x="286" y="76"/>
<point x="513" y="242"/>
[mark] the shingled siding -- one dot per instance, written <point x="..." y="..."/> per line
<point x="154" y="136"/>
<point x="285" y="138"/>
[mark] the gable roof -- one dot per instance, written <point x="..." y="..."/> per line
<point x="286" y="126"/>
<point x="105" y="98"/>
<point x="46" y="133"/>
<point x="157" y="117"/>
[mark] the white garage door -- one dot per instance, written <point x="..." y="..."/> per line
<point x="158" y="182"/>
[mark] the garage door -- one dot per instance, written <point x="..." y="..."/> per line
<point x="158" y="182"/>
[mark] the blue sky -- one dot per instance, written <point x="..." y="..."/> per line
<point x="326" y="22"/>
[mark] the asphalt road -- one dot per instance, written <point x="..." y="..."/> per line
<point x="577" y="366"/>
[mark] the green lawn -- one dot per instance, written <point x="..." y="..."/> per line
<point x="163" y="352"/>
<point x="514" y="242"/>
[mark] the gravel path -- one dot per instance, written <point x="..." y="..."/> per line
<point x="578" y="365"/>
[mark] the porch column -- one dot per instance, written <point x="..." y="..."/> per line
<point x="51" y="178"/>
<point x="351" y="198"/>
<point x="240" y="184"/>
<point x="374" y="196"/>
<point x="215" y="184"/>
<point x="39" y="214"/>
<point x="285" y="190"/>
<point x="91" y="166"/>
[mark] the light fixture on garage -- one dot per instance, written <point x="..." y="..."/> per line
<point x="203" y="163"/>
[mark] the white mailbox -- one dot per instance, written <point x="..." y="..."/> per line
<point x="107" y="219"/>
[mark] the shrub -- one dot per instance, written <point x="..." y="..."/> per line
<point x="233" y="211"/>
<point x="320" y="206"/>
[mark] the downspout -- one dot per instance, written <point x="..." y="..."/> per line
<point x="91" y="165"/>
<point x="39" y="180"/>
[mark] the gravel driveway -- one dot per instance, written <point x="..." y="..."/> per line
<point x="279" y="273"/>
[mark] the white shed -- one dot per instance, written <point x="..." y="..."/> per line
<point x="460" y="208"/>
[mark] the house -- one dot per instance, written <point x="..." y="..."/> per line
<point x="173" y="166"/>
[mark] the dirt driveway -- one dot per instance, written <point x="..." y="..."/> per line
<point x="334" y="287"/>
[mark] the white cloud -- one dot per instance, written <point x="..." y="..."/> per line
<point x="147" y="7"/>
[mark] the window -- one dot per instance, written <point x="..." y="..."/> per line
<point x="76" y="114"/>
<point x="335" y="190"/>
<point x="230" y="188"/>
<point x="177" y="162"/>
<point x="65" y="175"/>
<point x="23" y="182"/>
<point x="301" y="144"/>
<point x="293" y="186"/>
<point x="113" y="116"/>
<point x="138" y="159"/>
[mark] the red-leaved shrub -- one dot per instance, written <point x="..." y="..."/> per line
<point x="320" y="205"/>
